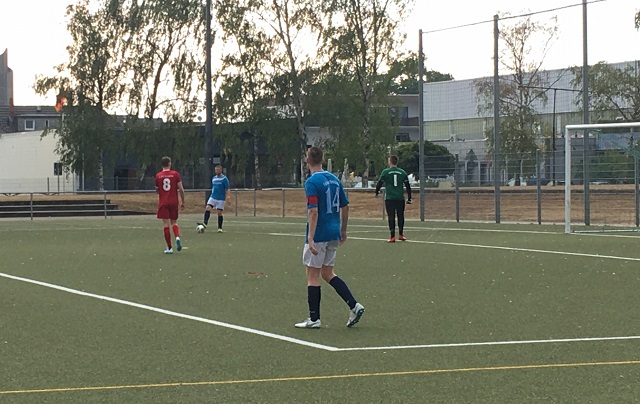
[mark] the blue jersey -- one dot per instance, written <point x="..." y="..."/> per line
<point x="324" y="191"/>
<point x="220" y="185"/>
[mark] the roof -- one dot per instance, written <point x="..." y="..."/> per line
<point x="34" y="110"/>
<point x="457" y="99"/>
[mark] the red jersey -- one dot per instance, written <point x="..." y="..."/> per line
<point x="167" y="186"/>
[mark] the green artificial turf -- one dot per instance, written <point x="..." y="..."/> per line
<point x="459" y="313"/>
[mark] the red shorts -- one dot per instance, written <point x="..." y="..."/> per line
<point x="168" y="212"/>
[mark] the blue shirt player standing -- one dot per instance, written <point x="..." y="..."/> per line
<point x="327" y="217"/>
<point x="219" y="193"/>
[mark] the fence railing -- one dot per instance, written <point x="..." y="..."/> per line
<point x="611" y="204"/>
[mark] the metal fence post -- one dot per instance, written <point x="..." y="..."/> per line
<point x="283" y="202"/>
<point x="105" y="204"/>
<point x="456" y="177"/>
<point x="636" y="189"/>
<point x="236" y="190"/>
<point x="538" y="184"/>
<point x="254" y="202"/>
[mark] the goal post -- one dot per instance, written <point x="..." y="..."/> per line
<point x="608" y="162"/>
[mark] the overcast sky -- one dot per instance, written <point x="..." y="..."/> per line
<point x="34" y="31"/>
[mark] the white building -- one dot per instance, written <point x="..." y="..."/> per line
<point x="27" y="164"/>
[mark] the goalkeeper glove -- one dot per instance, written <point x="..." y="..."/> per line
<point x="409" y="201"/>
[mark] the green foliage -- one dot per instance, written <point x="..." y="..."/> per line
<point x="126" y="55"/>
<point x="519" y="92"/>
<point x="161" y="42"/>
<point x="404" y="78"/>
<point x="86" y="139"/>
<point x="438" y="161"/>
<point x="613" y="92"/>
<point x="268" y="60"/>
<point x="333" y="106"/>
<point x="612" y="166"/>
<point x="147" y="142"/>
<point x="364" y="38"/>
<point x="146" y="58"/>
<point x="91" y="81"/>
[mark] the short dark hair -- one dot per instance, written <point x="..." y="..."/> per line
<point x="315" y="155"/>
<point x="166" y="161"/>
<point x="393" y="159"/>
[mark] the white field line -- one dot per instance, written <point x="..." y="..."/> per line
<point x="383" y="226"/>
<point x="335" y="349"/>
<point x="612" y="257"/>
<point x="172" y="313"/>
<point x="493" y="343"/>
<point x="302" y="342"/>
<point x="76" y="228"/>
<point x="351" y="226"/>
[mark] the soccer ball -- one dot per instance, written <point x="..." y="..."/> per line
<point x="200" y="228"/>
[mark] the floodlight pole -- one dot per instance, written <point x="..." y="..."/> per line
<point x="421" y="175"/>
<point x="553" y="139"/>
<point x="496" y="120"/>
<point x="208" y="126"/>
<point x="585" y="115"/>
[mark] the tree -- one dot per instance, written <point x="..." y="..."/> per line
<point x="246" y="81"/>
<point x="521" y="91"/>
<point x="282" y="34"/>
<point x="637" y="20"/>
<point x="164" y="42"/>
<point x="360" y="44"/>
<point x="614" y="93"/>
<point x="404" y="77"/>
<point x="438" y="162"/>
<point x="128" y="55"/>
<point x="91" y="81"/>
<point x="335" y="106"/>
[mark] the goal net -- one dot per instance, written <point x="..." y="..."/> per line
<point x="601" y="161"/>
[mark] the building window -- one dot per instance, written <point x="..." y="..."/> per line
<point x="46" y="123"/>
<point x="403" y="137"/>
<point x="29" y="124"/>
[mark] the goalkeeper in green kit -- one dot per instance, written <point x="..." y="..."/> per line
<point x="394" y="179"/>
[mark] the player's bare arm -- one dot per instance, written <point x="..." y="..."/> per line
<point x="344" y="219"/>
<point x="313" y="223"/>
<point x="181" y="193"/>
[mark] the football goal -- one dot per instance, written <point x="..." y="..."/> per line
<point x="601" y="192"/>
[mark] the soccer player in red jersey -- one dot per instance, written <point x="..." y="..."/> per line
<point x="169" y="188"/>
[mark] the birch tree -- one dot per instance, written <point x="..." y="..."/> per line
<point x="522" y="90"/>
<point x="362" y="40"/>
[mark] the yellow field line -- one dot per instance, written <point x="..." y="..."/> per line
<point x="327" y="377"/>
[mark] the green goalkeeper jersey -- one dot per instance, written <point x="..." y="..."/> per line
<point x="394" y="179"/>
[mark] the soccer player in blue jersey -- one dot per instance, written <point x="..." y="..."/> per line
<point x="327" y="216"/>
<point x="220" y="193"/>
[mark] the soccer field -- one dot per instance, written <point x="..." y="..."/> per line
<point x="93" y="311"/>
